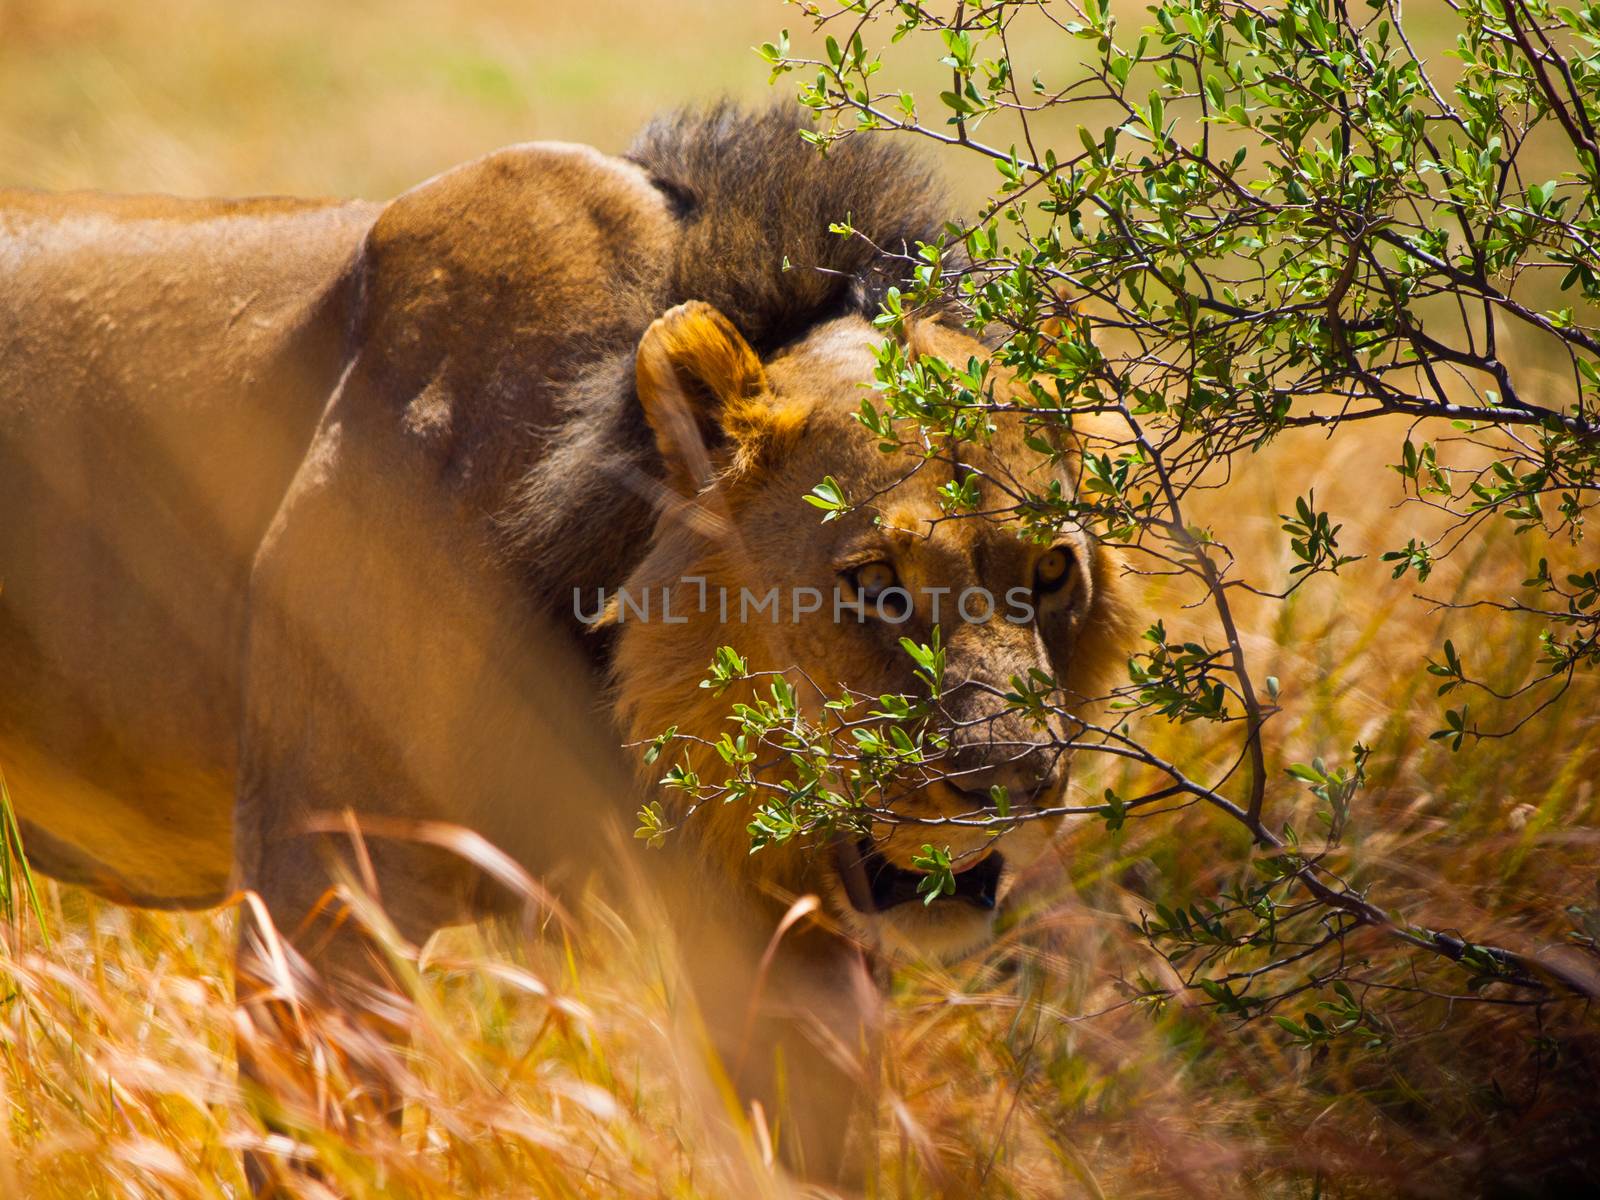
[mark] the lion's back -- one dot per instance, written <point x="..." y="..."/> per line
<point x="162" y="365"/>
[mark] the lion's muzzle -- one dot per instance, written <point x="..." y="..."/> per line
<point x="873" y="884"/>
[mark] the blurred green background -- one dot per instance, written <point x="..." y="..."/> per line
<point x="350" y="97"/>
<point x="363" y="98"/>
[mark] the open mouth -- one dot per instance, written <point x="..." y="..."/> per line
<point x="875" y="885"/>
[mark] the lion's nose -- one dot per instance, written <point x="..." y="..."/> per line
<point x="992" y="746"/>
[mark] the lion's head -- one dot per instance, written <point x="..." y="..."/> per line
<point x="743" y="441"/>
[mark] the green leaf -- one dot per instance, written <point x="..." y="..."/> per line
<point x="829" y="497"/>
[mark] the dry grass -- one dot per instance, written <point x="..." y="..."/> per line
<point x="569" y="1067"/>
<point x="558" y="1066"/>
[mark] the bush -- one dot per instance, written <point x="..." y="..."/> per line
<point x="1225" y="227"/>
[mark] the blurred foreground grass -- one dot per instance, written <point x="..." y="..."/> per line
<point x="571" y="1066"/>
<point x="568" y="1067"/>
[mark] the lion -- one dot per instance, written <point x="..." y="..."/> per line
<point x="302" y="498"/>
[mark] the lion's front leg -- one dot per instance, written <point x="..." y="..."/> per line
<point x="798" y="1028"/>
<point x="324" y="1015"/>
<point x="813" y="1048"/>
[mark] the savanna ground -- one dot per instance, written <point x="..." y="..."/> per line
<point x="565" y="1065"/>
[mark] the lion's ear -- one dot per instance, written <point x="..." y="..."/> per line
<point x="699" y="382"/>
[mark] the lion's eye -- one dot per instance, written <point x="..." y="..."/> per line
<point x="875" y="578"/>
<point x="877" y="583"/>
<point x="1053" y="570"/>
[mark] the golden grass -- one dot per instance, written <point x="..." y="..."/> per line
<point x="563" y="1067"/>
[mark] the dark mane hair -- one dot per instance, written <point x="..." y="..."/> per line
<point x="754" y="204"/>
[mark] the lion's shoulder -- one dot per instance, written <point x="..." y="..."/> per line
<point x="484" y="289"/>
<point x="531" y="239"/>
